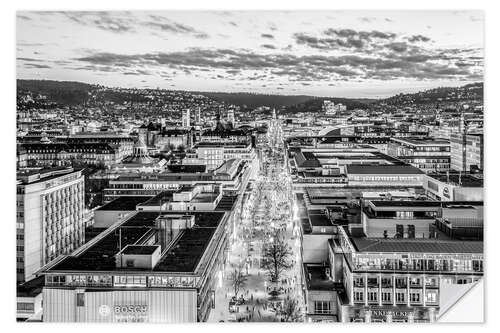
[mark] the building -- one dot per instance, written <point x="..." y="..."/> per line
<point x="198" y="116"/>
<point x="401" y="279"/>
<point x="429" y="155"/>
<point x="29" y="300"/>
<point x="467" y="152"/>
<point x="232" y="175"/>
<point x="329" y="107"/>
<point x="150" y="267"/>
<point x="230" y="117"/>
<point x="384" y="175"/>
<point x="186" y="118"/>
<point x="186" y="198"/>
<point x="214" y="154"/>
<point x="411" y="218"/>
<point x="50" y="217"/>
<point x="454" y="186"/>
<point x="64" y="154"/>
<point x="172" y="138"/>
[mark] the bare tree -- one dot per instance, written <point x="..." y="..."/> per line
<point x="238" y="280"/>
<point x="276" y="258"/>
<point x="291" y="310"/>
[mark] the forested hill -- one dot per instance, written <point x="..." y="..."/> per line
<point x="252" y="100"/>
<point x="473" y="91"/>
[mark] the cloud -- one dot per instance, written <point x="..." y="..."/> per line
<point x="267" y="36"/>
<point x="397" y="46"/>
<point x="166" y="25"/>
<point x="268" y="46"/>
<point x="344" y="38"/>
<point x="34" y="65"/>
<point x="23" y="17"/>
<point x="118" y="22"/>
<point x="367" y="19"/>
<point x="418" y="38"/>
<point x="401" y="63"/>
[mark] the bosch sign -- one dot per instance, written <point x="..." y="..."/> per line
<point x="130" y="309"/>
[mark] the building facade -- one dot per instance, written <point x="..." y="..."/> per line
<point x="50" y="217"/>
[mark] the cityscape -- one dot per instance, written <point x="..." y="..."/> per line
<point x="305" y="167"/>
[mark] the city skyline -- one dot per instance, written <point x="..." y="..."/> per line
<point x="334" y="53"/>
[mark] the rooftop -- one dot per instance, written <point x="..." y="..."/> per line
<point x="140" y="249"/>
<point x="383" y="169"/>
<point x="187" y="168"/>
<point x="125" y="203"/>
<point x="424" y="141"/>
<point x="465" y="180"/>
<point x="416" y="245"/>
<point x="316" y="278"/>
<point x="182" y="256"/>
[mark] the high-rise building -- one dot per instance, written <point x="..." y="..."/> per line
<point x="50" y="217"/>
<point x="230" y="116"/>
<point x="186" y="118"/>
<point x="198" y="116"/>
<point x="466" y="151"/>
<point x="330" y="108"/>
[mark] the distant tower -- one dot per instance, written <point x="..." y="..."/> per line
<point x="230" y="116"/>
<point x="198" y="116"/>
<point x="274" y="113"/>
<point x="186" y="118"/>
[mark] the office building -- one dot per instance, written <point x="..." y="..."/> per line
<point x="186" y="118"/>
<point x="50" y="217"/>
<point x="150" y="267"/>
<point x="467" y="152"/>
<point x="429" y="155"/>
<point x="401" y="279"/>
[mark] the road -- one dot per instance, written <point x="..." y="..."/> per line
<point x="266" y="209"/>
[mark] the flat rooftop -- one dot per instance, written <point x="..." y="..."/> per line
<point x="187" y="168"/>
<point x="416" y="245"/>
<point x="125" y="203"/>
<point x="383" y="169"/>
<point x="425" y="203"/>
<point x="424" y="141"/>
<point x="316" y="278"/>
<point x="139" y="249"/>
<point x="182" y="256"/>
<point x="160" y="198"/>
<point x="319" y="219"/>
<point x="456" y="179"/>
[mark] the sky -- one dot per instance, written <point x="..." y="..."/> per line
<point x="358" y="54"/>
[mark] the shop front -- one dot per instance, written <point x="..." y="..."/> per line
<point x="380" y="314"/>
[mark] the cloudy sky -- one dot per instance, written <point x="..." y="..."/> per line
<point x="323" y="53"/>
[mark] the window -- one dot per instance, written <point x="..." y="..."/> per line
<point x="130" y="263"/>
<point x="373" y="296"/>
<point x="400" y="297"/>
<point x="358" y="296"/>
<point x="386" y="282"/>
<point x="387" y="297"/>
<point x="415" y="282"/>
<point x="359" y="281"/>
<point x="415" y="297"/>
<point x="322" y="307"/>
<point x="431" y="282"/>
<point x="431" y="296"/>
<point x="401" y="282"/>
<point x="372" y="282"/>
<point x="80" y="299"/>
<point x="25" y="307"/>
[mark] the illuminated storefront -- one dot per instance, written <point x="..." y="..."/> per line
<point x="400" y="280"/>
